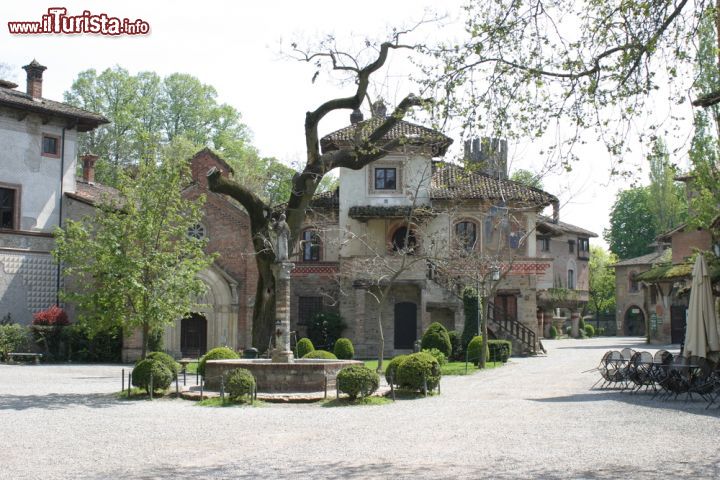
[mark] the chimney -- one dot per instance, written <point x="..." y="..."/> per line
<point x="34" y="78"/>
<point x="379" y="110"/>
<point x="356" y="117"/>
<point x="556" y="212"/>
<point x="490" y="154"/>
<point x="88" y="167"/>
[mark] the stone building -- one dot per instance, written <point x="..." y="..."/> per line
<point x="365" y="223"/>
<point x="569" y="248"/>
<point x="38" y="157"/>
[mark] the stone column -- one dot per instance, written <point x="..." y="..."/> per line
<point x="575" y="320"/>
<point x="282" y="352"/>
<point x="360" y="318"/>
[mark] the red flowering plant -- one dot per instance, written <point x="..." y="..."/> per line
<point x="51" y="317"/>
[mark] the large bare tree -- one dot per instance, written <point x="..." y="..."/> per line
<point x="370" y="144"/>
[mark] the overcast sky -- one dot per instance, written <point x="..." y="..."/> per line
<point x="235" y="46"/>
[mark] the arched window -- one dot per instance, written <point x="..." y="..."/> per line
<point x="571" y="279"/>
<point x="466" y="235"/>
<point x="310" y="246"/>
<point x="404" y="240"/>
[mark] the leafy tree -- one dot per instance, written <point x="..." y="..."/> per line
<point x="526" y="177"/>
<point x="368" y="147"/>
<point x="133" y="264"/>
<point x="668" y="204"/>
<point x="602" y="280"/>
<point x="519" y="70"/>
<point x="705" y="149"/>
<point x="632" y="224"/>
<point x="147" y="111"/>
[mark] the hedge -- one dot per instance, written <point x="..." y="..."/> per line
<point x="499" y="350"/>
<point x="239" y="383"/>
<point x="436" y="336"/>
<point x="304" y="346"/>
<point x="344" y="349"/>
<point x="217" y="353"/>
<point x="417" y="371"/>
<point x="357" y="381"/>
<point x="161" y="376"/>
<point x="321" y="354"/>
<point x="474" y="348"/>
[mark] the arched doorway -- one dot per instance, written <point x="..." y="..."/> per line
<point x="634" y="322"/>
<point x="193" y="335"/>
<point x="405" y="325"/>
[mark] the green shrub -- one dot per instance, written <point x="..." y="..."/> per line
<point x="436" y="336"/>
<point x="166" y="360"/>
<point x="391" y="370"/>
<point x="470" y="307"/>
<point x="161" y="376"/>
<point x="581" y="323"/>
<point x="474" y="348"/>
<point x="437" y="354"/>
<point x="344" y="349"/>
<point x="415" y="368"/>
<point x="322" y="354"/>
<point x="553" y="331"/>
<point x="589" y="330"/>
<point x="357" y="380"/>
<point x="13" y="339"/>
<point x="500" y="350"/>
<point x="304" y="346"/>
<point x="456" y="342"/>
<point x="239" y="383"/>
<point x="217" y="353"/>
<point x="568" y="330"/>
<point x="325" y="328"/>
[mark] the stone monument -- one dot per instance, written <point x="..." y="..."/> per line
<point x="281" y="269"/>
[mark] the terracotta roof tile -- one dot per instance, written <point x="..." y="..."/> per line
<point x="562" y="227"/>
<point x="452" y="182"/>
<point x="21" y="101"/>
<point x="412" y="133"/>
<point x="94" y="193"/>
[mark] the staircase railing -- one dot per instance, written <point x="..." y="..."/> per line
<point x="510" y="325"/>
<point x="496" y="315"/>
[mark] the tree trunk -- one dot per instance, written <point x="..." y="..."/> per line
<point x="484" y="320"/>
<point x="264" y="311"/>
<point x="145" y="340"/>
<point x="381" y="340"/>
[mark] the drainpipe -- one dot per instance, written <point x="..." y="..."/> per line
<point x="60" y="213"/>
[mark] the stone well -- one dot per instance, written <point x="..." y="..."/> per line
<point x="300" y="376"/>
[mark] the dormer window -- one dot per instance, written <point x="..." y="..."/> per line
<point x="50" y="146"/>
<point x="385" y="178"/>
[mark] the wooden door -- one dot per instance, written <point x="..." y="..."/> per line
<point x="193" y="336"/>
<point x="405" y="325"/>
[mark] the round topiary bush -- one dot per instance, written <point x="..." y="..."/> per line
<point x="344" y="349"/>
<point x="500" y="350"/>
<point x="217" y="353"/>
<point x="417" y="368"/>
<point x="322" y="354"/>
<point x="589" y="330"/>
<point x="439" y="356"/>
<point x="436" y="336"/>
<point x="553" y="332"/>
<point x="166" y="360"/>
<point x="239" y="384"/>
<point x="474" y="348"/>
<point x="304" y="346"/>
<point x="161" y="375"/>
<point x="357" y="381"/>
<point x="391" y="370"/>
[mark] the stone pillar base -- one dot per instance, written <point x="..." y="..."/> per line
<point x="280" y="356"/>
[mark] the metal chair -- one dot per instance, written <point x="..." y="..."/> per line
<point x="640" y="371"/>
<point x="701" y="377"/>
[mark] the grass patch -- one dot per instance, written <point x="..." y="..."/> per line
<point x="345" y="402"/>
<point x="137" y="393"/>
<point x="217" y="402"/>
<point x="450" y="368"/>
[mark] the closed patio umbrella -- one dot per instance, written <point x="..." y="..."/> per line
<point x="701" y="333"/>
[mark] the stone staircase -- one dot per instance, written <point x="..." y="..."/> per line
<point x="502" y="325"/>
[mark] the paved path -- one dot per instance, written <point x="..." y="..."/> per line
<point x="534" y="418"/>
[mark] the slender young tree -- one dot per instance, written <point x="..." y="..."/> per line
<point x="133" y="264"/>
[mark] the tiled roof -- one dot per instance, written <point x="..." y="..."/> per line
<point x="452" y="182"/>
<point x="411" y="133"/>
<point x="647" y="259"/>
<point x="329" y="199"/>
<point x="94" y="193"/>
<point x="562" y="227"/>
<point x="16" y="99"/>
